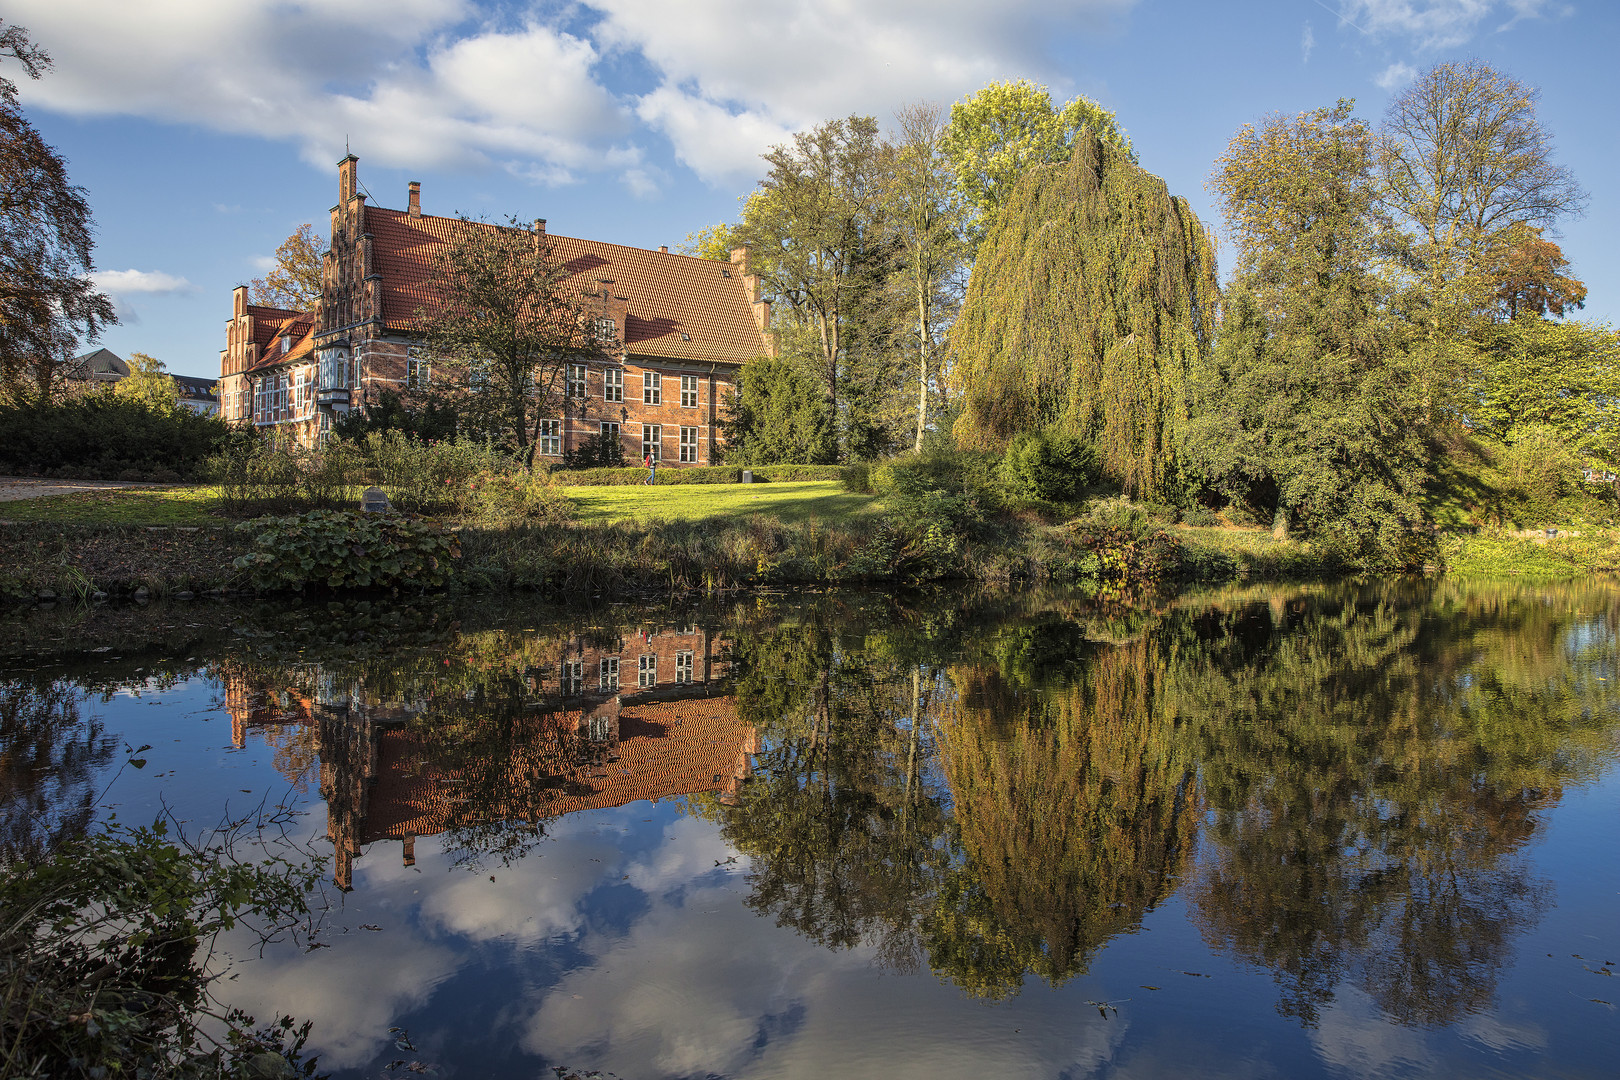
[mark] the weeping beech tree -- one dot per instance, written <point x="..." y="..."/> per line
<point x="1091" y="302"/>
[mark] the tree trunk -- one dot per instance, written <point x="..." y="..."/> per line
<point x="922" y="365"/>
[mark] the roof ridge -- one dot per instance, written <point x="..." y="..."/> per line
<point x="551" y="235"/>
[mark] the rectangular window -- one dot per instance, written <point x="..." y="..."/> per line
<point x="573" y="678"/>
<point x="609" y="676"/>
<point x="551" y="437"/>
<point x="576" y="380"/>
<point x="683" y="667"/>
<point x="647" y="670"/>
<point x="689" y="391"/>
<point x="652" y="388"/>
<point x="689" y="444"/>
<point x="606" y="330"/>
<point x="652" y="439"/>
<point x="417" y="368"/>
<point x="610" y="429"/>
<point x="334" y="370"/>
<point x="613" y="384"/>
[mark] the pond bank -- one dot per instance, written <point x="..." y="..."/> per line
<point x="44" y="561"/>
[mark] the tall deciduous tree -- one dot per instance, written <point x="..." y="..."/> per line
<point x="148" y="381"/>
<point x="1091" y="304"/>
<point x="777" y="416"/>
<point x="1561" y="376"/>
<point x="807" y="230"/>
<point x="47" y="298"/>
<point x="504" y="323"/>
<point x="1002" y="131"/>
<point x="294" y="282"/>
<point x="925" y="219"/>
<point x="1310" y="405"/>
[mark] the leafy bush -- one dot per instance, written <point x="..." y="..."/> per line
<point x="1053" y="469"/>
<point x="267" y="476"/>
<point x="1128" y="557"/>
<point x="104" y="958"/>
<point x="1537" y="469"/>
<point x="102" y="435"/>
<point x="509" y="500"/>
<point x="431" y="477"/>
<point x="346" y="549"/>
<point x="1200" y="516"/>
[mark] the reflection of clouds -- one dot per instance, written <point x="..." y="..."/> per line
<point x="353" y="990"/>
<point x="691" y="848"/>
<point x="706" y="986"/>
<point x="1501" y="1034"/>
<point x="1354" y="1036"/>
<point x="535" y="898"/>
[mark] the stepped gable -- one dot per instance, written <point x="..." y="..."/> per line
<point x="665" y="748"/>
<point x="668" y="295"/>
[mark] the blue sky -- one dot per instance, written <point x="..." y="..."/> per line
<point x="205" y="131"/>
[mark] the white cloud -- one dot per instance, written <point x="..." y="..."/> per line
<point x="1395" y="76"/>
<point x="1307" y="42"/>
<point x="734" y="82"/>
<point x="446" y="83"/>
<point x="151" y="282"/>
<point x="391" y="78"/>
<point x="1435" y="24"/>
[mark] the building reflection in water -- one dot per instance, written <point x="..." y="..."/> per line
<point x="490" y="761"/>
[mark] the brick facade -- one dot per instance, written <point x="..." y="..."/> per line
<point x="680" y="328"/>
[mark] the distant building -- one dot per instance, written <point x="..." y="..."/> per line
<point x="103" y="366"/>
<point x="197" y="394"/>
<point x="100" y="366"/>
<point x="673" y="331"/>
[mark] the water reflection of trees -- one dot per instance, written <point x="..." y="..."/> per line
<point x="1374" y="762"/>
<point x="51" y="756"/>
<point x="1370" y="763"/>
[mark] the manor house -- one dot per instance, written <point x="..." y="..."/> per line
<point x="671" y="332"/>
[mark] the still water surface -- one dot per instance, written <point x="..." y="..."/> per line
<point x="1346" y="830"/>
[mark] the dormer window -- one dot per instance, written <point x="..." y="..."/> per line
<point x="606" y="330"/>
<point x="286" y="343"/>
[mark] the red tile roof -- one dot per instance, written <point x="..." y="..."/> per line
<point x="668" y="295"/>
<point x="268" y="320"/>
<point x="665" y="748"/>
<point x="300" y="325"/>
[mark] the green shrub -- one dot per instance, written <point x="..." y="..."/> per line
<point x="1200" y="516"/>
<point x="346" y="549"/>
<point x="105" y="958"/>
<point x="102" y="435"/>
<point x="511" y="500"/>
<point x="604" y="450"/>
<point x="1052" y="469"/>
<point x="431" y="477"/>
<point x="795" y="474"/>
<point x="266" y="476"/>
<point x="857" y="477"/>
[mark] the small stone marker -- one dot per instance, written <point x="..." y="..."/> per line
<point x="748" y="476"/>
<point x="374" y="501"/>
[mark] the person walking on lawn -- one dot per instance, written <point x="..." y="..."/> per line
<point x="652" y="468"/>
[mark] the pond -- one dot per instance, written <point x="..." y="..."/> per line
<point x="1339" y="830"/>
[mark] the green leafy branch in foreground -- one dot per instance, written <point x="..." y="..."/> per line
<point x="105" y="951"/>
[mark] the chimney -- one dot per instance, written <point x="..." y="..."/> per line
<point x="348" y="178"/>
<point x="416" y="198"/>
<point x="540" y="226"/>
<point x="663" y="249"/>
<point x="239" y="301"/>
<point x="739" y="258"/>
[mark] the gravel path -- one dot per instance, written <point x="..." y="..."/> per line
<point x="37" y="487"/>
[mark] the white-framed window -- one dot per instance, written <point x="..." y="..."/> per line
<point x="576" y="380"/>
<point x="608" y="677"/>
<point x="652" y="388"/>
<point x="551" y="437"/>
<point x="573" y="678"/>
<point x="418" y="370"/>
<point x="647" y="670"/>
<point x="652" y="441"/>
<point x="599" y="729"/>
<point x="683" y="667"/>
<point x="334" y="373"/>
<point x="613" y="384"/>
<point x="689" y="444"/>
<point x="606" y="330"/>
<point x="689" y="391"/>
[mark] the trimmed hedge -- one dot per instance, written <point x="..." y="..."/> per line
<point x="703" y="474"/>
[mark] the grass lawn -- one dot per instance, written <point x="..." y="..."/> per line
<point x="824" y="499"/>
<point x="162" y="506"/>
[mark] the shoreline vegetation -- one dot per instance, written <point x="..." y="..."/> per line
<point x="625" y="541"/>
